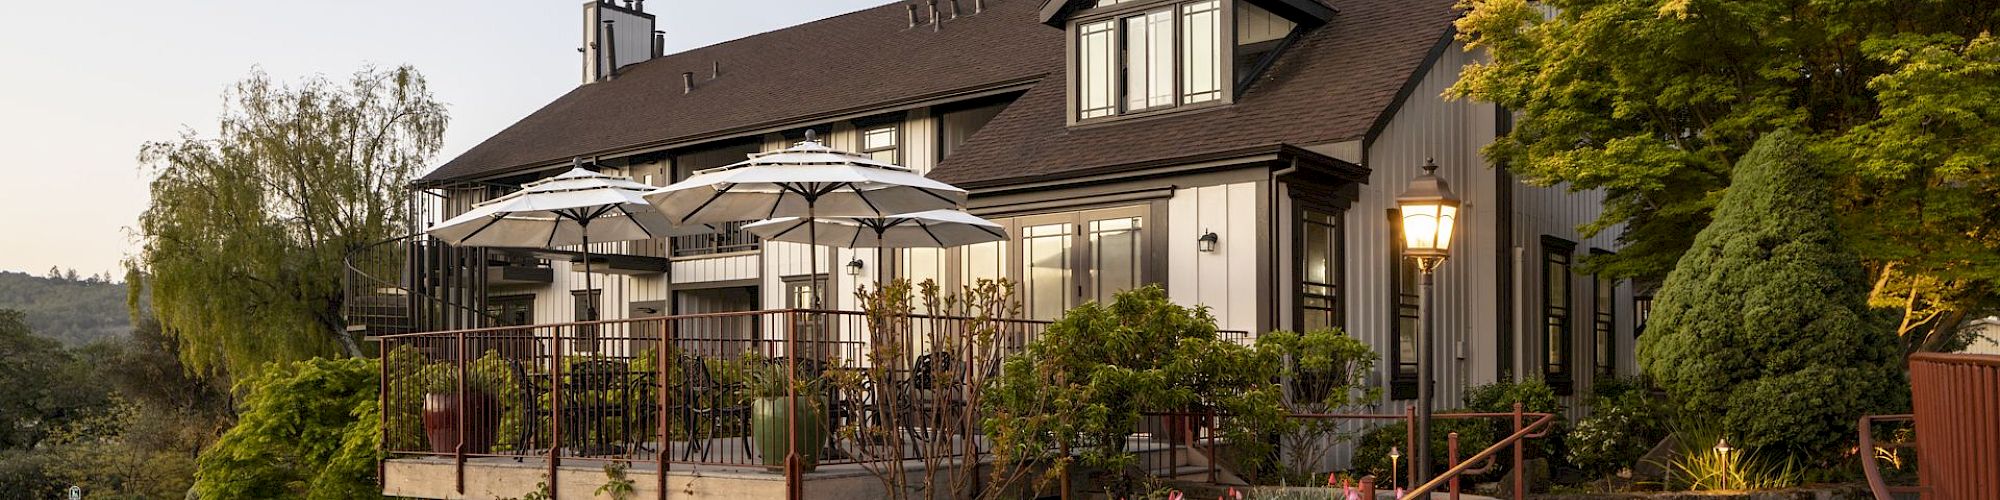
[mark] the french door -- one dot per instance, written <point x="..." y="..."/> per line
<point x="1071" y="258"/>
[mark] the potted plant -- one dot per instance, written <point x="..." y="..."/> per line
<point x="771" y="414"/>
<point x="443" y="402"/>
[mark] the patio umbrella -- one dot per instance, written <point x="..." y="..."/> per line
<point x="927" y="229"/>
<point x="574" y="208"/>
<point x="806" y="180"/>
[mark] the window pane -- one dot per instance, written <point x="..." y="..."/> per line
<point x="1149" y="60"/>
<point x="1201" y="63"/>
<point x="1556" y="315"/>
<point x="1114" y="247"/>
<point x="984" y="261"/>
<point x="1320" y="272"/>
<point x="1094" y="58"/>
<point x="1046" y="257"/>
<point x="880" y="144"/>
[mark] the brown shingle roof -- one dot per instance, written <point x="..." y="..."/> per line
<point x="1330" y="86"/>
<point x="853" y="61"/>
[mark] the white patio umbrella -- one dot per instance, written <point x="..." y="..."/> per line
<point x="806" y="180"/>
<point x="927" y="229"/>
<point x="574" y="208"/>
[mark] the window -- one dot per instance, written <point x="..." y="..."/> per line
<point x="880" y="143"/>
<point x="1642" y="310"/>
<point x="1605" y="322"/>
<point x="1150" y="60"/>
<point x="1556" y="319"/>
<point x="1114" y="253"/>
<point x="1320" y="272"/>
<point x="799" y="292"/>
<point x="1407" y="305"/>
<point x="799" y="295"/>
<point x="1056" y="261"/>
<point x="588" y="308"/>
<point x="1071" y="258"/>
<point x="1046" y="279"/>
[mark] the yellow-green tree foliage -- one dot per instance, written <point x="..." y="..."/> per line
<point x="244" y="239"/>
<point x="1654" y="102"/>
<point x="1763" y="326"/>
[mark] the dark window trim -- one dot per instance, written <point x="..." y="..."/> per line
<point x="1401" y="385"/>
<point x="1339" y="216"/>
<point x="861" y="140"/>
<point x="1561" y="377"/>
<point x="1116" y="14"/>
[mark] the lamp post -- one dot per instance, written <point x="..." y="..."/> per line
<point x="1429" y="211"/>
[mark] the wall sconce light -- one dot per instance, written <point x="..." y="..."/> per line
<point x="854" y="267"/>
<point x="1206" y="243"/>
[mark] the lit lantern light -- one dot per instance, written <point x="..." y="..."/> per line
<point x="1430" y="211"/>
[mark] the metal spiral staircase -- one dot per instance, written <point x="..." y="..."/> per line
<point x="415" y="284"/>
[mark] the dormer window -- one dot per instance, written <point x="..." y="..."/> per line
<point x="1138" y="57"/>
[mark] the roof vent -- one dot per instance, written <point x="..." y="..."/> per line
<point x="687" y="82"/>
<point x="935" y="25"/>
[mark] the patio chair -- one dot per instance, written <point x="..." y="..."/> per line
<point x="597" y="392"/>
<point x="530" y="407"/>
<point x="705" y="398"/>
<point x="932" y="390"/>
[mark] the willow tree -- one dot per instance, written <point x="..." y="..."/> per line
<point x="1656" y="102"/>
<point x="246" y="233"/>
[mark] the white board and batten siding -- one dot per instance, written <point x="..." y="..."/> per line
<point x="1226" y="280"/>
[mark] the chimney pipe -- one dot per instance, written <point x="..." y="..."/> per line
<point x="659" y="43"/>
<point x="936" y="22"/>
<point x="687" y="82"/>
<point x="639" y="5"/>
<point x="611" y="49"/>
<point x="913" y="15"/>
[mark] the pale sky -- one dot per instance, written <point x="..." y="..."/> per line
<point x="83" y="84"/>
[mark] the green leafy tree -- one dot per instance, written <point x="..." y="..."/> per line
<point x="1764" y="325"/>
<point x="245" y="235"/>
<point x="309" y="429"/>
<point x="1655" y="102"/>
<point x="74" y="312"/>
<point x="1085" y="384"/>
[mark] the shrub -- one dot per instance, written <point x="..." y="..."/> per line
<point x="308" y="429"/>
<point x="1086" y="382"/>
<point x="1625" y="422"/>
<point x="1474" y="434"/>
<point x="1763" y="324"/>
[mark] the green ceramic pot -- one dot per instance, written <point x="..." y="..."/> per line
<point x="770" y="424"/>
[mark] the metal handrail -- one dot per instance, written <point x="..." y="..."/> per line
<point x="1536" y="429"/>
<point x="1869" y="468"/>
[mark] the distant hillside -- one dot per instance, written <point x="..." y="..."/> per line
<point x="73" y="310"/>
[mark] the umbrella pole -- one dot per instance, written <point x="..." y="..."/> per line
<point x="589" y="295"/>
